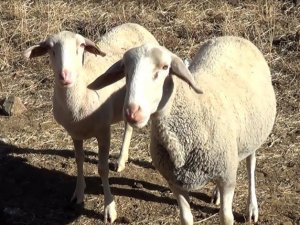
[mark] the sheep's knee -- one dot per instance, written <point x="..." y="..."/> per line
<point x="103" y="170"/>
<point x="226" y="195"/>
<point x="226" y="219"/>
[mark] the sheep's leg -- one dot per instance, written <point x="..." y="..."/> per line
<point x="226" y="188"/>
<point x="186" y="216"/>
<point x="78" y="195"/>
<point x="123" y="158"/>
<point x="215" y="197"/>
<point x="252" y="208"/>
<point x="110" y="213"/>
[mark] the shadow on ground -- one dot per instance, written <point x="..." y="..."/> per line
<point x="32" y="195"/>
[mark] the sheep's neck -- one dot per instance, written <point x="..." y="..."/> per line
<point x="163" y="130"/>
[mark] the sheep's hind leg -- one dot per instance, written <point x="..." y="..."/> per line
<point x="182" y="198"/>
<point x="110" y="213"/>
<point x="123" y="158"/>
<point x="252" y="208"/>
<point x="215" y="197"/>
<point x="78" y="194"/>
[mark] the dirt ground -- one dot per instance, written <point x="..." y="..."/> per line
<point x="37" y="166"/>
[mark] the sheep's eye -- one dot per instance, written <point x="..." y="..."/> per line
<point x="165" y="67"/>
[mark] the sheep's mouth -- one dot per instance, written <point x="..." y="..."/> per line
<point x="138" y="124"/>
<point x="66" y="83"/>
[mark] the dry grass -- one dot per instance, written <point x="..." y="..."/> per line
<point x="273" y="25"/>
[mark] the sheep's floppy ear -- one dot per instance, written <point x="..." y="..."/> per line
<point x="91" y="47"/>
<point x="179" y="69"/>
<point x="37" y="50"/>
<point x="112" y="75"/>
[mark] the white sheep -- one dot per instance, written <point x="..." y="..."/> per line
<point x="85" y="113"/>
<point x="197" y="137"/>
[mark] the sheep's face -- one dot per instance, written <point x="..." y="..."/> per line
<point x="66" y="50"/>
<point x="66" y="57"/>
<point x="146" y="69"/>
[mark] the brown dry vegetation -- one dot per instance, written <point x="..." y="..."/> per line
<point x="37" y="168"/>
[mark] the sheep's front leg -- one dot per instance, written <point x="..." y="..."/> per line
<point x="182" y="198"/>
<point x="123" y="158"/>
<point x="78" y="195"/>
<point x="252" y="208"/>
<point x="110" y="213"/>
<point x="226" y="189"/>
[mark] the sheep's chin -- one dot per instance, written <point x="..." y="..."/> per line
<point x="140" y="124"/>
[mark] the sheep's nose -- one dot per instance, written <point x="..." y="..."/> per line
<point x="64" y="74"/>
<point x="133" y="113"/>
<point x="65" y="77"/>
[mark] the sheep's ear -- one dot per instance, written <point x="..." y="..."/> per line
<point x="91" y="47"/>
<point x="179" y="69"/>
<point x="37" y="50"/>
<point x="112" y="75"/>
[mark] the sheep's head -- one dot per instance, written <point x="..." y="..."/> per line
<point x="147" y="69"/>
<point x="66" y="50"/>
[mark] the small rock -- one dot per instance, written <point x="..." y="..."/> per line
<point x="12" y="106"/>
<point x="4" y="140"/>
<point x="137" y="185"/>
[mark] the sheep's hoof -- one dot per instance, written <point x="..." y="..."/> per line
<point x="252" y="214"/>
<point x="118" y="167"/>
<point x="110" y="213"/>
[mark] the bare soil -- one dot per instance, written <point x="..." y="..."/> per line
<point x="37" y="166"/>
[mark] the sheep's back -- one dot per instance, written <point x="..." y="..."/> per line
<point x="234" y="70"/>
<point x="115" y="43"/>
